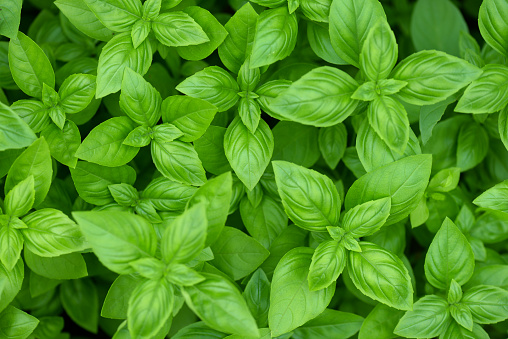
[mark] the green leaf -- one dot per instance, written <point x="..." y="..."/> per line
<point x="462" y="315"/>
<point x="488" y="304"/>
<point x="430" y="116"/>
<point x="310" y="199"/>
<point x="350" y="23"/>
<point x="81" y="302"/>
<point x="217" y="192"/>
<point x="14" y="131"/>
<point x="151" y="9"/>
<point x="248" y="154"/>
<point x="320" y="98"/>
<point x="381" y="275"/>
<point x="117" y="15"/>
<point x="67" y="266"/>
<point x="140" y="31"/>
<point x="296" y="143"/>
<point x="456" y="331"/>
<point x="445" y="180"/>
<point x="473" y="145"/>
<point x="139" y="99"/>
<point x="210" y="148"/>
<point x="104" y="144"/>
<point x="264" y="221"/>
<point x="50" y="97"/>
<point x="433" y="76"/>
<point x="237" y="254"/>
<point x="117" y="300"/>
<point x="237" y="45"/>
<point x="433" y="17"/>
<point x="487" y="93"/>
<point x="491" y="227"/>
<point x="388" y="118"/>
<point x="10" y="283"/>
<point x="495" y="197"/>
<point x="150" y="307"/>
<point x="192" y="116"/>
<point x="275" y="38"/>
<point x="182" y="275"/>
<point x="220" y="305"/>
<point x="328" y="262"/>
<point x="140" y="136"/>
<point x="76" y="92"/>
<point x="10" y="16"/>
<point x="117" y="238"/>
<point x="503" y="126"/>
<point x="80" y="15"/>
<point x="214" y="85"/>
<point x="16" y="324"/>
<point x="34" y="161"/>
<point x="167" y="195"/>
<point x="379" y="52"/>
<point x="429" y="318"/>
<point x="449" y="257"/>
<point x="214" y="30"/>
<point x="57" y="115"/>
<point x="493" y="24"/>
<point x="178" y="161"/>
<point x="29" y="66"/>
<point x="92" y="181"/>
<point x="63" y="143"/>
<point x="11" y="243"/>
<point x="118" y="54"/>
<point x="33" y="113"/>
<point x="178" y="29"/>
<point x="250" y="113"/>
<point x="292" y="304"/>
<point x="20" y="199"/>
<point x="330" y="324"/>
<point x="185" y="236"/>
<point x="367" y="218"/>
<point x="381" y="320"/>
<point x="333" y="143"/>
<point x="51" y="233"/>
<point x="257" y="296"/>
<point x="124" y="194"/>
<point x="316" y="10"/>
<point x="408" y="180"/>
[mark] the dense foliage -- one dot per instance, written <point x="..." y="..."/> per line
<point x="275" y="168"/>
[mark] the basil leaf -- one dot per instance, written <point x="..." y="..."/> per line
<point x="248" y="154"/>
<point x="409" y="179"/>
<point x="33" y="112"/>
<point x="328" y="262"/>
<point x="333" y="143"/>
<point x="210" y="148"/>
<point x="275" y="38"/>
<point x="367" y="218"/>
<point x="318" y="35"/>
<point x="237" y="45"/>
<point x="10" y="283"/>
<point x="117" y="300"/>
<point x="379" y="52"/>
<point x="63" y="143"/>
<point x="150" y="308"/>
<point x="34" y="161"/>
<point x="11" y="242"/>
<point x="104" y="144"/>
<point x="382" y="321"/>
<point x="486" y="94"/>
<point x="316" y="10"/>
<point x="237" y="254"/>
<point x="214" y="85"/>
<point x="15" y="323"/>
<point x="320" y="98"/>
<point x="182" y="275"/>
<point x="214" y="30"/>
<point x="310" y="199"/>
<point x="218" y="193"/>
<point x="117" y="238"/>
<point x="503" y="126"/>
<point x="77" y="92"/>
<point x="10" y="18"/>
<point x="350" y="22"/>
<point x="178" y="161"/>
<point x="433" y="76"/>
<point x="388" y="118"/>
<point x="185" y="236"/>
<point x="118" y="54"/>
<point x="449" y="257"/>
<point x="472" y="145"/>
<point x="29" y="65"/>
<point x="20" y="199"/>
<point x="488" y="304"/>
<point x="191" y="115"/>
<point x="455" y="331"/>
<point x="493" y="24"/>
<point x="330" y="324"/>
<point x="15" y="132"/>
<point x="178" y="29"/>
<point x="495" y="197"/>
<point x="117" y="15"/>
<point x="257" y="296"/>
<point x="220" y="305"/>
<point x="430" y="116"/>
<point x="67" y="266"/>
<point x="139" y="99"/>
<point x="292" y="304"/>
<point x="429" y="318"/>
<point x="80" y="301"/>
<point x="381" y="276"/>
<point x="167" y="195"/>
<point x="264" y="221"/>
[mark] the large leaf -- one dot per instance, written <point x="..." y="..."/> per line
<point x="10" y="15"/>
<point x="328" y="262"/>
<point x="14" y="132"/>
<point x="15" y="323"/>
<point x="493" y="24"/>
<point x="495" y="197"/>
<point x="321" y="98"/>
<point x="117" y="15"/>
<point x="488" y="304"/>
<point x="63" y="143"/>
<point x="292" y="304"/>
<point x="178" y="29"/>
<point x="380" y="52"/>
<point x="10" y="283"/>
